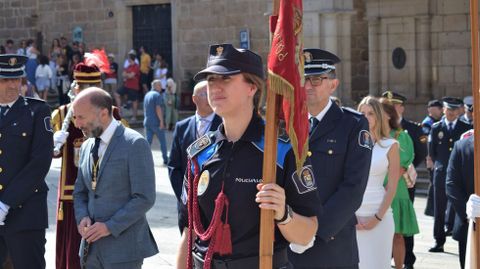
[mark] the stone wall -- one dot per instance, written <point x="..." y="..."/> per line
<point x="360" y="82"/>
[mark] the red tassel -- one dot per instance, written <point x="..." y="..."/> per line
<point x="225" y="240"/>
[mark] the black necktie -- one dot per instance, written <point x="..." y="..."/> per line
<point x="450" y="127"/>
<point x="313" y="123"/>
<point x="95" y="151"/>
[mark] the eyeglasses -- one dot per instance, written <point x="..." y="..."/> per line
<point x="315" y="80"/>
<point x="201" y="94"/>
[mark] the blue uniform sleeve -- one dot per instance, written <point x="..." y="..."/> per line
<point x="340" y="207"/>
<point x="455" y="187"/>
<point x="175" y="170"/>
<point x="432" y="143"/>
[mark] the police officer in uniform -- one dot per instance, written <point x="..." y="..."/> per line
<point x="435" y="113"/>
<point x="460" y="185"/>
<point x="468" y="116"/>
<point x="223" y="192"/>
<point x="420" y="148"/>
<point x="441" y="140"/>
<point x="340" y="152"/>
<point x="25" y="156"/>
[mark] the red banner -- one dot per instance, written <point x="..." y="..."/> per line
<point x="285" y="73"/>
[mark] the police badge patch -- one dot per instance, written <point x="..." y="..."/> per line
<point x="306" y="181"/>
<point x="48" y="125"/>
<point x="365" y="139"/>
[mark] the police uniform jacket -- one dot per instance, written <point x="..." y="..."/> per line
<point x="441" y="145"/>
<point x="341" y="154"/>
<point x="26" y="145"/>
<point x="238" y="165"/>
<point x="427" y="124"/>
<point x="419" y="140"/>
<point x="459" y="184"/>
<point x="185" y="133"/>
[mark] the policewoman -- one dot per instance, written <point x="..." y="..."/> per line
<point x="341" y="149"/>
<point x="223" y="191"/>
<point x="442" y="137"/>
<point x="26" y="145"/>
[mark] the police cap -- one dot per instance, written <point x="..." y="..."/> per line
<point x="435" y="103"/>
<point x="468" y="101"/>
<point x="394" y="97"/>
<point x="12" y="65"/>
<point x="452" y="102"/>
<point x="318" y="61"/>
<point x="225" y="59"/>
<point x="83" y="73"/>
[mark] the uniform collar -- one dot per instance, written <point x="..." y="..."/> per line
<point x="254" y="129"/>
<point x="322" y="113"/>
<point x="9" y="104"/>
<point x="453" y="122"/>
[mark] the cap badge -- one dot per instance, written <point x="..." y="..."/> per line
<point x="308" y="56"/>
<point x="12" y="61"/>
<point x="219" y="50"/>
<point x="389" y="95"/>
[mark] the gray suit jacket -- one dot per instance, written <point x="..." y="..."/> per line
<point x="125" y="192"/>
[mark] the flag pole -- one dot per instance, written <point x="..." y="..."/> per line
<point x="476" y="118"/>
<point x="269" y="170"/>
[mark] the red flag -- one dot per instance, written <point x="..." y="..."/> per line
<point x="285" y="73"/>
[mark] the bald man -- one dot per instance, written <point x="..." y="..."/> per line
<point x="115" y="187"/>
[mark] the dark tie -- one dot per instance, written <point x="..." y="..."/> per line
<point x="95" y="151"/>
<point x="450" y="127"/>
<point x="313" y="123"/>
<point x="3" y="110"/>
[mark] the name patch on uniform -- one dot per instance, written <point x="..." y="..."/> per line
<point x="248" y="180"/>
<point x="365" y="139"/>
<point x="305" y="181"/>
<point x="48" y="125"/>
<point x="203" y="182"/>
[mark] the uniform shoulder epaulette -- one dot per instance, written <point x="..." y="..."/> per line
<point x="200" y="144"/>
<point x="436" y="124"/>
<point x="33" y="100"/>
<point x="351" y="111"/>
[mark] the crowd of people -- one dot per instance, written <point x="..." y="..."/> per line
<point x="349" y="206"/>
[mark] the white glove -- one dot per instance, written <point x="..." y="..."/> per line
<point x="473" y="206"/>
<point x="60" y="137"/>
<point x="301" y="248"/>
<point x="3" y="212"/>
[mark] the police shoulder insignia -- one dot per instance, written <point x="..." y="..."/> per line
<point x="304" y="180"/>
<point x="48" y="124"/>
<point x="199" y="145"/>
<point x="365" y="139"/>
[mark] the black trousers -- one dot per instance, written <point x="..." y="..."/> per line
<point x="439" y="209"/>
<point x="462" y="246"/>
<point x="26" y="248"/>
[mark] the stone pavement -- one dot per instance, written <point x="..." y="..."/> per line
<point x="163" y="222"/>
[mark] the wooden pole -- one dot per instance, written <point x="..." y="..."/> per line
<point x="476" y="118"/>
<point x="269" y="170"/>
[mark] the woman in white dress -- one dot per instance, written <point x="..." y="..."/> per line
<point x="375" y="226"/>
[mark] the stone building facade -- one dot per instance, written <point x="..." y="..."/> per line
<point x="420" y="48"/>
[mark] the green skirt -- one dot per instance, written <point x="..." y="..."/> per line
<point x="403" y="212"/>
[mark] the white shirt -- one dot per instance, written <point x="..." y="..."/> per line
<point x="106" y="137"/>
<point x="453" y="125"/>
<point x="208" y="119"/>
<point x="323" y="112"/>
<point x="43" y="71"/>
<point x="9" y="105"/>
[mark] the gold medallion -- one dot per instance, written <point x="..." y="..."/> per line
<point x="440" y="135"/>
<point x="203" y="182"/>
<point x="219" y="50"/>
<point x="12" y="61"/>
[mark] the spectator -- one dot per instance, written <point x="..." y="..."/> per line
<point x="31" y="66"/>
<point x="9" y="47"/>
<point x="171" y="113"/>
<point x="22" y="50"/>
<point x="131" y="86"/>
<point x="43" y="75"/>
<point x="145" y="62"/>
<point x="63" y="81"/>
<point x="111" y="78"/>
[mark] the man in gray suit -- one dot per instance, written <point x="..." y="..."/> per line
<point x="115" y="186"/>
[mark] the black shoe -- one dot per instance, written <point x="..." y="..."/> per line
<point x="436" y="248"/>
<point x="448" y="232"/>
<point x="408" y="266"/>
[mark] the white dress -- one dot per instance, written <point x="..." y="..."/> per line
<point x="375" y="245"/>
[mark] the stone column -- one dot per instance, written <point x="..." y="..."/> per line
<point x="424" y="57"/>
<point x="374" y="55"/>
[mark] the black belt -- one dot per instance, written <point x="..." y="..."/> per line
<point x="280" y="260"/>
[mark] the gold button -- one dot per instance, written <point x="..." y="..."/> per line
<point x="1" y="152"/>
<point x="0" y="135"/>
<point x="24" y="134"/>
<point x="1" y="187"/>
<point x="330" y="152"/>
<point x="309" y="153"/>
<point x="20" y="206"/>
<point x="450" y="149"/>
<point x="332" y="238"/>
<point x="1" y="169"/>
<point x="36" y="190"/>
<point x="451" y="140"/>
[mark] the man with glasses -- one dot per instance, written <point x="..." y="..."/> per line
<point x="340" y="152"/>
<point x="187" y="131"/>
